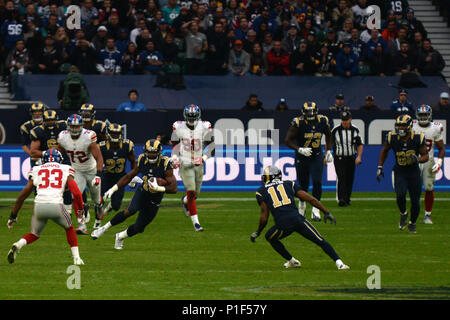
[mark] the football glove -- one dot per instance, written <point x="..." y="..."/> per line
<point x="153" y="185"/>
<point x="329" y="216"/>
<point x="108" y="194"/>
<point x="437" y="166"/>
<point x="329" y="156"/>
<point x="380" y="173"/>
<point x="135" y="181"/>
<point x="254" y="236"/>
<point x="175" y="161"/>
<point x="96" y="181"/>
<point x="307" y="152"/>
<point x="12" y="219"/>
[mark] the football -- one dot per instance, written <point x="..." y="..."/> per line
<point x="161" y="181"/>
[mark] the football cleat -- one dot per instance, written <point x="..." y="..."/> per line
<point x="293" y="263"/>
<point x="185" y="207"/>
<point x="97" y="224"/>
<point x="427" y="219"/>
<point x="343" y="267"/>
<point x="87" y="216"/>
<point x="412" y="227"/>
<point x="118" y="245"/>
<point x="403" y="221"/>
<point x="77" y="261"/>
<point x="82" y="230"/>
<point x="315" y="214"/>
<point x="12" y="253"/>
<point x="98" y="233"/>
<point x="198" y="227"/>
<point x="302" y="207"/>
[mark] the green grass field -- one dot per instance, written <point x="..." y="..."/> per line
<point x="170" y="261"/>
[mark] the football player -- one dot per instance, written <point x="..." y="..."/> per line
<point x="409" y="150"/>
<point x="87" y="113"/>
<point x="432" y="131"/>
<point x="304" y="136"/>
<point x="85" y="156"/>
<point x="45" y="136"/>
<point x="50" y="180"/>
<point x="37" y="117"/>
<point x="278" y="197"/>
<point x="115" y="151"/>
<point x="153" y="166"/>
<point x="193" y="142"/>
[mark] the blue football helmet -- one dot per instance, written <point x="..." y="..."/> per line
<point x="424" y="114"/>
<point x="52" y="155"/>
<point x="75" y="125"/>
<point x="192" y="114"/>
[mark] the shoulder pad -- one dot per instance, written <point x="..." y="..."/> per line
<point x="176" y="125"/>
<point x="321" y="116"/>
<point x="206" y="124"/>
<point x="140" y="158"/>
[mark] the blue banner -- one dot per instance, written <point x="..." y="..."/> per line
<point x="240" y="169"/>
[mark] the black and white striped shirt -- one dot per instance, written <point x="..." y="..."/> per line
<point x="345" y="141"/>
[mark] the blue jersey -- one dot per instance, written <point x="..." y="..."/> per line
<point x="402" y="108"/>
<point x="11" y="31"/>
<point x="309" y="133"/>
<point x="48" y="138"/>
<point x="404" y="149"/>
<point x="153" y="170"/>
<point x="99" y="127"/>
<point x="109" y="61"/>
<point x="279" y="196"/>
<point x="145" y="56"/>
<point x="25" y="131"/>
<point x="115" y="157"/>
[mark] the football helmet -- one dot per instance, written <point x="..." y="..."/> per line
<point x="424" y="114"/>
<point x="403" y="125"/>
<point x="52" y="155"/>
<point x="75" y="125"/>
<point x="50" y="118"/>
<point x="114" y="132"/>
<point x="153" y="150"/>
<point x="310" y="110"/>
<point x="37" y="112"/>
<point x="192" y="114"/>
<point x="87" y="112"/>
<point x="271" y="173"/>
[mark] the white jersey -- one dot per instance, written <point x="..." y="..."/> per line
<point x="78" y="149"/>
<point x="50" y="181"/>
<point x="432" y="133"/>
<point x="191" y="140"/>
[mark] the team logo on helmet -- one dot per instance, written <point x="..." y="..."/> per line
<point x="153" y="150"/>
<point x="52" y="155"/>
<point x="192" y="114"/>
<point x="114" y="132"/>
<point x="424" y="114"/>
<point x="403" y="125"/>
<point x="75" y="125"/>
<point x="309" y="110"/>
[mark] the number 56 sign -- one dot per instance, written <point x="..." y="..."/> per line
<point x="73" y="20"/>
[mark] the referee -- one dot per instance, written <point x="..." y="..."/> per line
<point x="348" y="150"/>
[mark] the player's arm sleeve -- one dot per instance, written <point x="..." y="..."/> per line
<point x="174" y="136"/>
<point x="358" y="140"/>
<point x="439" y="133"/>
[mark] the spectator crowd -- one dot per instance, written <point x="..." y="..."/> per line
<point x="240" y="37"/>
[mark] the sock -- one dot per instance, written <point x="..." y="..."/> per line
<point x="75" y="252"/>
<point x="123" y="235"/>
<point x="21" y="243"/>
<point x="404" y="213"/>
<point x="71" y="237"/>
<point x="185" y="200"/>
<point x="107" y="225"/>
<point x="195" y="219"/>
<point x="339" y="263"/>
<point x="192" y="207"/>
<point x="68" y="208"/>
<point x="429" y="199"/>
<point x="427" y="213"/>
<point x="30" y="238"/>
